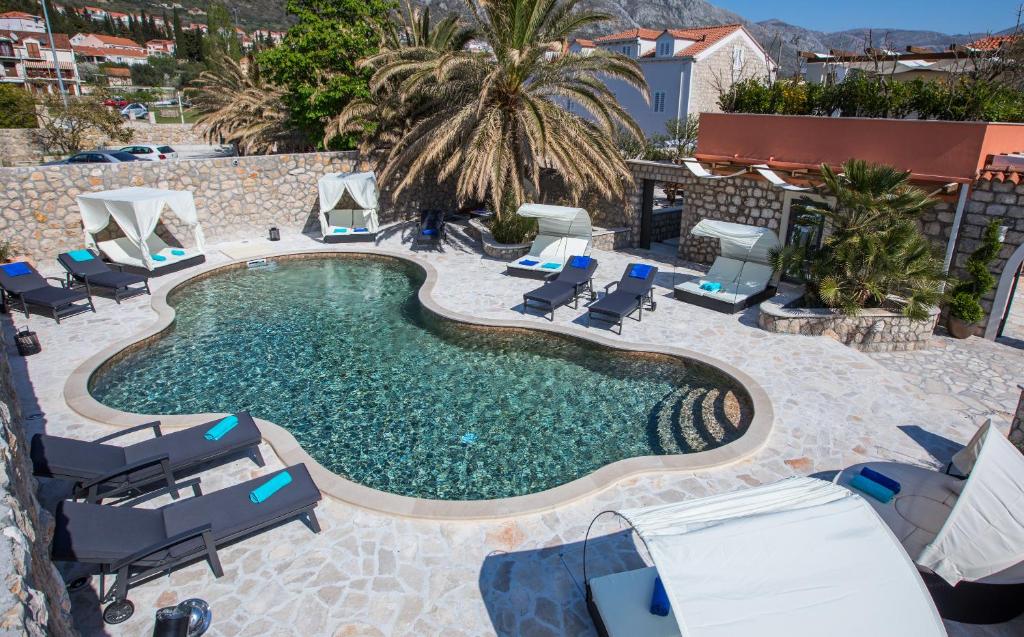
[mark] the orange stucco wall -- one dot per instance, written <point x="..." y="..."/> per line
<point x="929" y="149"/>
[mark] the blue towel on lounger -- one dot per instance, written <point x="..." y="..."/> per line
<point x="659" y="599"/>
<point x="340" y="230"/>
<point x="580" y="262"/>
<point x="360" y="230"/>
<point x="640" y="271"/>
<point x="270" y="487"/>
<point x="528" y="262"/>
<point x="178" y="253"/>
<point x="871" y="488"/>
<point x="158" y="257"/>
<point x="551" y="266"/>
<point x="428" y="232"/>
<point x="881" y="479"/>
<point x="16" y="269"/>
<point x="218" y="431"/>
<point x="81" y="255"/>
<point x="710" y="286"/>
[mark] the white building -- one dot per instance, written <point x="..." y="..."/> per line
<point x="686" y="69"/>
<point x="27" y="59"/>
<point x="21" y="21"/>
<point x="99" y="48"/>
<point x="160" y="47"/>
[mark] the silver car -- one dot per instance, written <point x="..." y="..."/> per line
<point x="97" y="157"/>
<point x="135" y="110"/>
<point x="151" y="151"/>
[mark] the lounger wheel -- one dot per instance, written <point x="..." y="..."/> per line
<point x="79" y="583"/>
<point x="118" y="612"/>
<point x="654" y="305"/>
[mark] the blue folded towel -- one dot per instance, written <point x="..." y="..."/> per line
<point x="640" y="271"/>
<point x="710" y="286"/>
<point x="580" y="262"/>
<point x="218" y="431"/>
<point x="428" y="232"/>
<point x="551" y="266"/>
<point x="270" y="487"/>
<point x="340" y="230"/>
<point x="871" y="488"/>
<point x="158" y="257"/>
<point x="528" y="262"/>
<point x="18" y="268"/>
<point x="881" y="479"/>
<point x="81" y="255"/>
<point x="360" y="230"/>
<point x="178" y="253"/>
<point x="659" y="599"/>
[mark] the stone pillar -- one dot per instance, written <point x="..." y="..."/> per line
<point x="1017" y="428"/>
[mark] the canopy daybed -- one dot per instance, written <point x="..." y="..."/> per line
<point x="741" y="276"/>
<point x="136" y="211"/>
<point x="801" y="557"/>
<point x="562" y="233"/>
<point x="967" y="535"/>
<point x="357" y="219"/>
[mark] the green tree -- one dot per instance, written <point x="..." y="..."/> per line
<point x="874" y="249"/>
<point x="178" y="35"/>
<point x="318" y="62"/>
<point x="965" y="300"/>
<point x="65" y="129"/>
<point x="221" y="38"/>
<point x="17" y="108"/>
<point x="497" y="119"/>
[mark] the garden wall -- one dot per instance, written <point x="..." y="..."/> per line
<point x="239" y="197"/>
<point x="20" y="147"/>
<point x="33" y="599"/>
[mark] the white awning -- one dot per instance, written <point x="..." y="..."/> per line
<point x="798" y="557"/>
<point x="558" y="221"/>
<point x="775" y="180"/>
<point x="700" y="171"/>
<point x="137" y="212"/>
<point x="739" y="241"/>
<point x="361" y="187"/>
<point x="984" y="534"/>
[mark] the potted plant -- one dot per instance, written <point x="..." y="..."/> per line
<point x="965" y="309"/>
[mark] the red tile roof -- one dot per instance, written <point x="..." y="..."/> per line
<point x="60" y="40"/>
<point x="113" y="40"/>
<point x="117" y="72"/>
<point x="1013" y="176"/>
<point x="19" y="14"/>
<point x="585" y="43"/>
<point x="632" y="34"/>
<point x="705" y="37"/>
<point x="95" y="51"/>
<point x="993" y="42"/>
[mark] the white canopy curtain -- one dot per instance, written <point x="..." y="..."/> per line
<point x="361" y="187"/>
<point x="137" y="212"/>
<point x="798" y="557"/>
<point x="984" y="533"/>
<point x="700" y="171"/>
<point x="739" y="241"/>
<point x="558" y="221"/>
<point x="773" y="178"/>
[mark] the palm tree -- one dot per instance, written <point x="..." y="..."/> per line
<point x="382" y="118"/>
<point x="237" y="106"/>
<point x="497" y="119"/>
<point x="874" y="248"/>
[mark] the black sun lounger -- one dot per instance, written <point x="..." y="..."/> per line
<point x="135" y="544"/>
<point x="431" y="229"/>
<point x="85" y="267"/>
<point x="632" y="292"/>
<point x="576" y="279"/>
<point x="22" y="283"/>
<point x="103" y="471"/>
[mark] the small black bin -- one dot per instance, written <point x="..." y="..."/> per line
<point x="27" y="342"/>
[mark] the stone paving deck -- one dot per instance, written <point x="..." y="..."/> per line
<point x="374" y="574"/>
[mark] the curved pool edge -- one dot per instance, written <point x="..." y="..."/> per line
<point x="78" y="398"/>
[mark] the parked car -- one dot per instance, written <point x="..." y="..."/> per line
<point x="136" y="109"/>
<point x="151" y="151"/>
<point x="97" y="157"/>
<point x="116" y="101"/>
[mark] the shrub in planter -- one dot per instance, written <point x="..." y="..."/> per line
<point x="965" y="303"/>
<point x="511" y="228"/>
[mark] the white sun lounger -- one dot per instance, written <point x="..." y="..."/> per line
<point x="562" y="233"/>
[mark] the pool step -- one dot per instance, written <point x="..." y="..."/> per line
<point x="693" y="419"/>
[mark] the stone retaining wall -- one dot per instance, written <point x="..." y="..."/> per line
<point x="20" y="147"/>
<point x="33" y="599"/>
<point x="237" y="198"/>
<point x="665" y="224"/>
<point x="873" y="330"/>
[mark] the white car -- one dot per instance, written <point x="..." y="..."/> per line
<point x="135" y="109"/>
<point x="151" y="151"/>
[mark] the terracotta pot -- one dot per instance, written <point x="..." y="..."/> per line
<point x="959" y="328"/>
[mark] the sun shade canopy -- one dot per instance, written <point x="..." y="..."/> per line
<point x="137" y="212"/>
<point x="560" y="221"/>
<point x="798" y="557"/>
<point x="360" y="187"/>
<point x="739" y="241"/>
<point x="984" y="533"/>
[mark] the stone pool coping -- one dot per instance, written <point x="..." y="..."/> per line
<point x="78" y="398"/>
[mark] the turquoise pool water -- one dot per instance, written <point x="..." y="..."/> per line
<point x="340" y="352"/>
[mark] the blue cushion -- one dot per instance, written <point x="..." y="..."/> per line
<point x="659" y="599"/>
<point x="551" y="266"/>
<point x="528" y="262"/>
<point x="710" y="286"/>
<point x="871" y="488"/>
<point x="158" y="257"/>
<point x="340" y="230"/>
<point x="428" y="232"/>
<point x="580" y="262"/>
<point x="81" y="255"/>
<point x="360" y="230"/>
<point x="16" y="269"/>
<point x="178" y="253"/>
<point x="640" y="271"/>
<point x="881" y="479"/>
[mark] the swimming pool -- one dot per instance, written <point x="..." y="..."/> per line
<point x="339" y="351"/>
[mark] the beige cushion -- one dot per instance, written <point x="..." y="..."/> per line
<point x="624" y="602"/>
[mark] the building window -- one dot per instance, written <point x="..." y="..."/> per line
<point x="737" y="58"/>
<point x="658" y="103"/>
<point x="665" y="48"/>
<point x="32" y="50"/>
